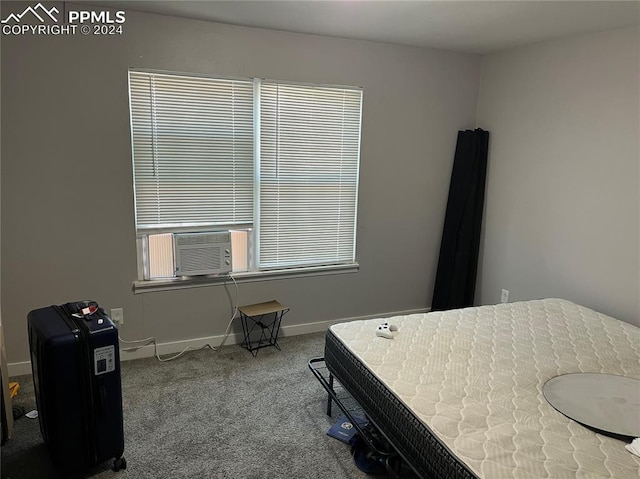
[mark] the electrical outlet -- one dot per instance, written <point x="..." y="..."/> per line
<point x="117" y="316"/>
<point x="505" y="296"/>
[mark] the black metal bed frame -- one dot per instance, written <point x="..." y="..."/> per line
<point x="394" y="462"/>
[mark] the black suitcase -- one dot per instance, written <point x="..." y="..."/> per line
<point x="75" y="362"/>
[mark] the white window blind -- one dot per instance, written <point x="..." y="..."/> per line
<point x="193" y="150"/>
<point x="309" y="160"/>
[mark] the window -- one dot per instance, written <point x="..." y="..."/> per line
<point x="275" y="163"/>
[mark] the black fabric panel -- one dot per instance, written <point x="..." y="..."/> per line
<point x="458" y="262"/>
<point x="411" y="437"/>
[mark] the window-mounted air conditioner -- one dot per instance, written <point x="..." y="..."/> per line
<point x="202" y="253"/>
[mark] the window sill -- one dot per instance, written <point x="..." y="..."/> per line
<point x="150" y="286"/>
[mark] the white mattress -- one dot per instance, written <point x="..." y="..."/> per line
<point x="474" y="377"/>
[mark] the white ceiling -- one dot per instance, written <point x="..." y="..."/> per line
<point x="476" y="26"/>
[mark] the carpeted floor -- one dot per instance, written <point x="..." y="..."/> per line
<point x="210" y="414"/>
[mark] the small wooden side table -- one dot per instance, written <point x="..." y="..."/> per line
<point x="261" y="324"/>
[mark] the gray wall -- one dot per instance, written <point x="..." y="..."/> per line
<point x="562" y="205"/>
<point x="67" y="201"/>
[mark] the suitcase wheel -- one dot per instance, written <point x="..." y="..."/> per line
<point x="119" y="463"/>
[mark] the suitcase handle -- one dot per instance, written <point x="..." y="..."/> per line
<point x="83" y="308"/>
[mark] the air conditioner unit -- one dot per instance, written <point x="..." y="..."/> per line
<point x="202" y="253"/>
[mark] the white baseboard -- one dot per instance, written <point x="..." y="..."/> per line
<point x="319" y="326"/>
<point x="19" y="369"/>
<point x="130" y="351"/>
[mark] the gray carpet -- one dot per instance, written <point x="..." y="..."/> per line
<point x="211" y="414"/>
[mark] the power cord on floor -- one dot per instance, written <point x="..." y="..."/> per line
<point x="152" y="339"/>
